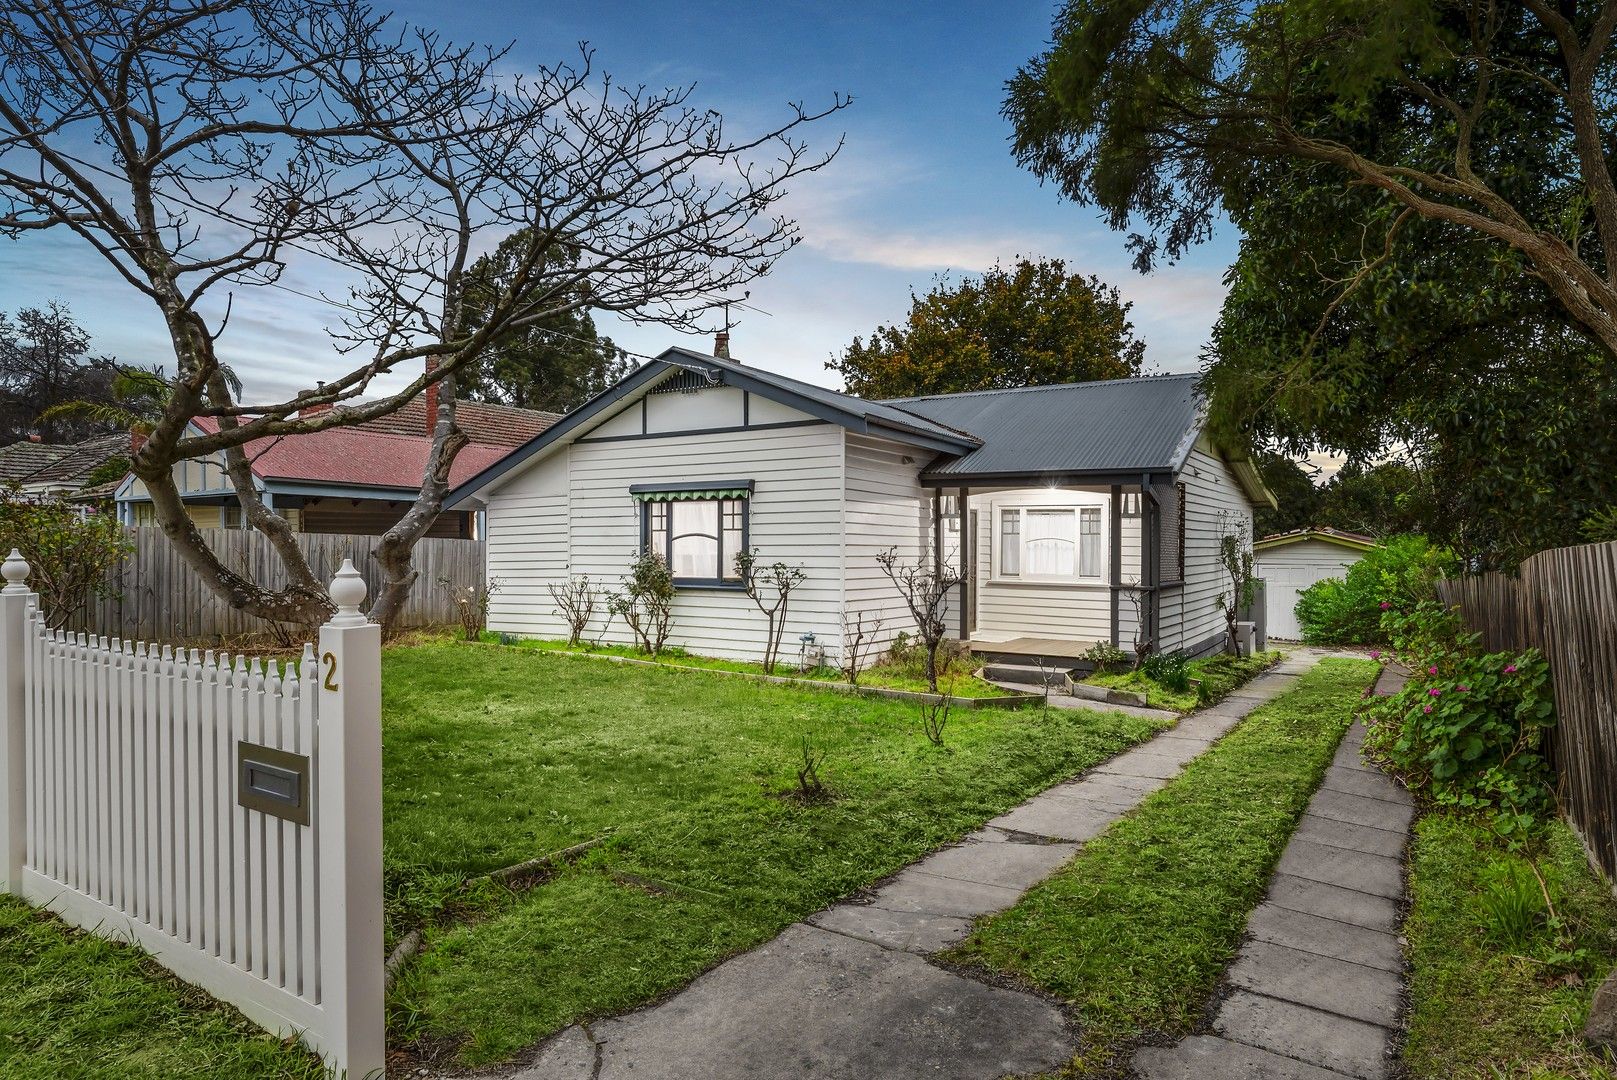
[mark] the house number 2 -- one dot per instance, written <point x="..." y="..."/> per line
<point x="330" y="660"/>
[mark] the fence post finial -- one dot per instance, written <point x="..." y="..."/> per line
<point x="15" y="571"/>
<point x="347" y="592"/>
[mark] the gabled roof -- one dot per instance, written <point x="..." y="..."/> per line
<point x="1120" y="427"/>
<point x="354" y="457"/>
<point x="1339" y="537"/>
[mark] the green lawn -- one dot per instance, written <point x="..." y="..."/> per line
<point x="78" y="1006"/>
<point x="1495" y="995"/>
<point x="493" y="756"/>
<point x="887" y="675"/>
<point x="1219" y="676"/>
<point x="1135" y="932"/>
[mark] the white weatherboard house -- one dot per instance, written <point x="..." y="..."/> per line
<point x="1290" y="562"/>
<point x="696" y="457"/>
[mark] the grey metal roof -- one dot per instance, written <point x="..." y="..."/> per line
<point x="1123" y="426"/>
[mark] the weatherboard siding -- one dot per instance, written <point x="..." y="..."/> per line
<point x="1214" y="503"/>
<point x="886" y="508"/>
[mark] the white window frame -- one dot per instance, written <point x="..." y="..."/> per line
<point x="996" y="540"/>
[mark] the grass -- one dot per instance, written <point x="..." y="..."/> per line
<point x="493" y="756"/>
<point x="887" y="675"/>
<point x="80" y="1006"/>
<point x="1219" y="676"/>
<point x="1493" y="992"/>
<point x="1135" y="932"/>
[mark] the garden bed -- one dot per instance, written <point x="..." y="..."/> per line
<point x="899" y="682"/>
<point x="1218" y="677"/>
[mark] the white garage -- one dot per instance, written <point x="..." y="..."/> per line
<point x="1290" y="562"/>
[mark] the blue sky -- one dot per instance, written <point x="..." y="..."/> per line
<point x="924" y="185"/>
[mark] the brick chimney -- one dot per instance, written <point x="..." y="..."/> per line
<point x="721" y="344"/>
<point x="316" y="410"/>
<point x="36" y="437"/>
<point x="137" y="439"/>
<point x="432" y="398"/>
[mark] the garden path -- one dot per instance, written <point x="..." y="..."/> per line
<point x="1315" y="992"/>
<point x="849" y="993"/>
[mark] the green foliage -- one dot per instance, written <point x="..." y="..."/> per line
<point x="1399" y="574"/>
<point x="1208" y="680"/>
<point x="1103" y="654"/>
<point x="1497" y="987"/>
<point x="1172" y="670"/>
<point x="646" y="602"/>
<point x="1601" y="527"/>
<point x="1468" y="728"/>
<point x="555" y="364"/>
<point x="114" y="468"/>
<point x="68" y="554"/>
<point x="1235" y="556"/>
<point x="1033" y="324"/>
<point x="1135" y="932"/>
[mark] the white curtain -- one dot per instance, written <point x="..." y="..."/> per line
<point x="1050" y="540"/>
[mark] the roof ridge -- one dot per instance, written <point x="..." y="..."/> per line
<point x="1132" y="380"/>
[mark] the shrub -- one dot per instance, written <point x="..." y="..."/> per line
<point x="1468" y="727"/>
<point x="1171" y="670"/>
<point x="1400" y="574"/>
<point x="1103" y="654"/>
<point x="470" y="604"/>
<point x="646" y="603"/>
<point x="68" y="553"/>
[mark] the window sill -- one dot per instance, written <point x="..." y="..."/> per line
<point x="709" y="586"/>
<point x="1062" y="583"/>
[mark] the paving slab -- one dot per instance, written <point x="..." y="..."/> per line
<point x="913" y="890"/>
<point x="1207" y="1057"/>
<point x="1325" y="937"/>
<point x="1367" y="783"/>
<point x="1133" y="763"/>
<point x="1340" y="866"/>
<point x="1345" y="834"/>
<point x="838" y="1009"/>
<point x="1334" y="902"/>
<point x="1321" y="982"/>
<point x="1062" y="818"/>
<point x="1333" y="1042"/>
<point x="912" y="931"/>
<point x="1377" y="813"/>
<point x="1016" y="866"/>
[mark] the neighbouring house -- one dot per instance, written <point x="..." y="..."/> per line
<point x="357" y="480"/>
<point x="1082" y="513"/>
<point x="85" y="472"/>
<point x="1290" y="562"/>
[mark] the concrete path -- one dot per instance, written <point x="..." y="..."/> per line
<point x="849" y="994"/>
<point x="1315" y="991"/>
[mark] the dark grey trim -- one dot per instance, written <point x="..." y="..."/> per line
<point x="1117" y="563"/>
<point x="1208" y="646"/>
<point x="698" y="431"/>
<point x="746" y="408"/>
<point x="668" y="554"/>
<point x="968" y="565"/>
<point x="693" y="485"/>
<point x="1033" y="479"/>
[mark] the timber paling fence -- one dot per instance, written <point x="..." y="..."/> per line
<point x="1564" y="604"/>
<point x="225" y="816"/>
<point x="153" y="595"/>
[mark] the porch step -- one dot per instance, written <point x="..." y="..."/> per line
<point x="1056" y="677"/>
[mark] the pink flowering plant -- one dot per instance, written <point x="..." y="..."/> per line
<point x="1468" y="729"/>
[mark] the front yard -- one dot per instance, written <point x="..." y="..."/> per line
<point x="494" y="756"/>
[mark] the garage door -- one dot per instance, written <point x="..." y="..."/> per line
<point x="1282" y="586"/>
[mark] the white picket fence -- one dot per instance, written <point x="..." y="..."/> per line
<point x="123" y="775"/>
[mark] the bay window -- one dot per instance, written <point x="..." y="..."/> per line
<point x="1051" y="543"/>
<point x="697" y="530"/>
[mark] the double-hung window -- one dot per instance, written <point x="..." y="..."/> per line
<point x="696" y="529"/>
<point x="1051" y="543"/>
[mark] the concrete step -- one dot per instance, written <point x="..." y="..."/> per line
<point x="1028" y="674"/>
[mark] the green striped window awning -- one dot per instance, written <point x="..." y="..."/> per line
<point x="728" y="489"/>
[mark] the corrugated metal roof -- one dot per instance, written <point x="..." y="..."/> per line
<point x="1118" y="427"/>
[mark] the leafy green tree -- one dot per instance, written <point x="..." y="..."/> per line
<point x="45" y="360"/>
<point x="1296" y="497"/>
<point x="1032" y="324"/>
<point x="555" y="363"/>
<point x="1438" y="110"/>
<point x="68" y="553"/>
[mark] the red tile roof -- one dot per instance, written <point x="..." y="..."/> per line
<point x="358" y="457"/>
<point x="492" y="425"/>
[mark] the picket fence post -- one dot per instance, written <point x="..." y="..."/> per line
<point x="349" y="803"/>
<point x="14" y="600"/>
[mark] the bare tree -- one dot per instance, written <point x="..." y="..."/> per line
<point x="781" y="579"/>
<point x="576" y="601"/>
<point x="197" y="149"/>
<point x="925" y="586"/>
<point x="858" y="638"/>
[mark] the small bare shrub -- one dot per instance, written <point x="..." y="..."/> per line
<point x="858" y="638"/>
<point x="646" y="603"/>
<point x="576" y="602"/>
<point x="810" y="788"/>
<point x="470" y="604"/>
<point x="781" y="580"/>
<point x="925" y="586"/>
